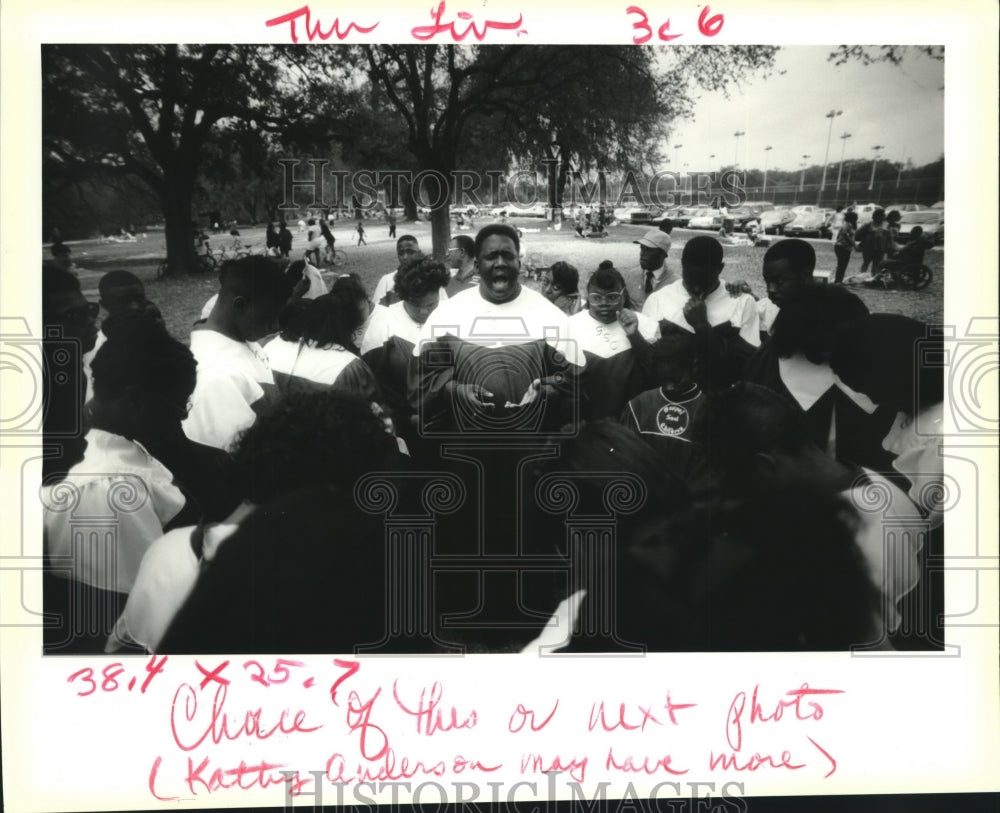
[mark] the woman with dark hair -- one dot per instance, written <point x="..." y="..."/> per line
<point x="352" y="287"/>
<point x="895" y="361"/>
<point x="796" y="363"/>
<point x="316" y="350"/>
<point x="615" y="341"/>
<point x="394" y="331"/>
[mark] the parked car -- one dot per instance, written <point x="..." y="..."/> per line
<point x="808" y="220"/>
<point x="741" y="215"/>
<point x="642" y="214"/>
<point x="865" y="212"/>
<point x="680" y="215"/>
<point x="938" y="205"/>
<point x="774" y="220"/>
<point x="904" y="207"/>
<point x="705" y="219"/>
<point x="930" y="220"/>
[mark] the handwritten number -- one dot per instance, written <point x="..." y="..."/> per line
<point x="710" y="26"/>
<point x="153" y="668"/>
<point x="110" y="672"/>
<point x="351" y="667"/>
<point x="88" y="675"/>
<point x="281" y="666"/>
<point x="260" y="677"/>
<point x="642" y="24"/>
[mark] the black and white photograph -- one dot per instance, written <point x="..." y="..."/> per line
<point x="448" y="393"/>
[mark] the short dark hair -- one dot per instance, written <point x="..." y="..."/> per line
<point x="256" y="278"/>
<point x="878" y="216"/>
<point x="609" y="278"/>
<point x="117" y="279"/>
<point x="499" y="229"/>
<point x="56" y="281"/>
<point x="740" y="422"/>
<point x="851" y="216"/>
<point x="810" y="318"/>
<point x="800" y="255"/>
<point x="406" y="237"/>
<point x="466" y="244"/>
<point x="139" y="352"/>
<point x="703" y="251"/>
<point x="666" y="225"/>
<point x="352" y="286"/>
<point x="311" y="438"/>
<point x="419" y="277"/>
<point x="565" y="276"/>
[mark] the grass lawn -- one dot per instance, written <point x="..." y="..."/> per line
<point x="181" y="299"/>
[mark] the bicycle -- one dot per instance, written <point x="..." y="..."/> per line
<point x="333" y="258"/>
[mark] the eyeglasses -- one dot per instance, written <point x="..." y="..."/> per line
<point x="595" y="298"/>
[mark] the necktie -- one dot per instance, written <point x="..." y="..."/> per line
<point x="649" y="283"/>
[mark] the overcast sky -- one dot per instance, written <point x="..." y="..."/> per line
<point x="901" y="108"/>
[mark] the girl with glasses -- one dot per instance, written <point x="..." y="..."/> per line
<point x="615" y="340"/>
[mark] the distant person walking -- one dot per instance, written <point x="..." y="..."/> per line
<point x="361" y="234"/>
<point x="392" y="223"/>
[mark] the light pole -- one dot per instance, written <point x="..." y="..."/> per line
<point x="802" y="177"/>
<point x="871" y="182"/>
<point x="738" y="133"/>
<point x="767" y="149"/>
<point x="822" y="185"/>
<point x="843" y="144"/>
<point x="677" y="161"/>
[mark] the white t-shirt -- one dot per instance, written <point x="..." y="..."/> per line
<point x="317" y="285"/>
<point x="603" y="340"/>
<point x="232" y="377"/>
<point x="167" y="575"/>
<point x="118" y="482"/>
<point x="767" y="312"/>
<point x="316" y="364"/>
<point x="668" y="303"/>
<point x="387" y="322"/>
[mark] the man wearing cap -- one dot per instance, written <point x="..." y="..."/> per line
<point x="653" y="248"/>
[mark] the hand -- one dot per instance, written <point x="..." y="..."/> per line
<point x="696" y="313"/>
<point x="629" y="321"/>
<point x="532" y="394"/>
<point x="473" y="396"/>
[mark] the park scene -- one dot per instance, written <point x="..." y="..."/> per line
<point x="493" y="349"/>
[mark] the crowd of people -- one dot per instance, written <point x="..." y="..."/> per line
<point x="274" y="482"/>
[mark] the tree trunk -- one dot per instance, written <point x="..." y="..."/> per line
<point x="441" y="230"/>
<point x="176" y="198"/>
<point x="409" y="202"/>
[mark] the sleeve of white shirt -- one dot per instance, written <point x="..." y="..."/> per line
<point x="745" y="317"/>
<point x="649" y="328"/>
<point x="383" y="287"/>
<point x="166" y="576"/>
<point x="651" y="307"/>
<point x="221" y="409"/>
<point x="110" y="559"/>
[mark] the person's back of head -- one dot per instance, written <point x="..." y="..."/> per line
<point x="666" y="225"/>
<point x="419" y="277"/>
<point x="744" y="425"/>
<point x="810" y="317"/>
<point x="307" y="573"/>
<point x="143" y="376"/>
<point x="851" y="217"/>
<point x="895" y="360"/>
<point x="694" y="586"/>
<point x="566" y="277"/>
<point x="878" y="217"/>
<point x="326" y="321"/>
<point x="312" y="438"/>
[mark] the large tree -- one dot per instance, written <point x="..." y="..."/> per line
<point x="148" y="112"/>
<point x="603" y="105"/>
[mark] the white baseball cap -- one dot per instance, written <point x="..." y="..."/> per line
<point x="655" y="238"/>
